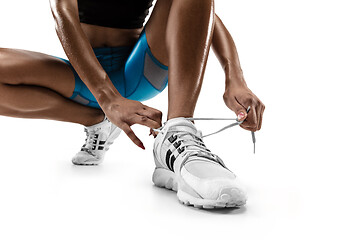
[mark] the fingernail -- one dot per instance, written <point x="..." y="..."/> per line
<point x="241" y="115"/>
<point x="142" y="146"/>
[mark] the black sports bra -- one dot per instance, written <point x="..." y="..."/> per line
<point x="114" y="13"/>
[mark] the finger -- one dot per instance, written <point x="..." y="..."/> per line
<point x="127" y="130"/>
<point x="248" y="127"/>
<point x="152" y="132"/>
<point x="238" y="108"/>
<point x="145" y="121"/>
<point x="242" y="112"/>
<point x="261" y="117"/>
<point x="152" y="113"/>
<point x="258" y="113"/>
<point x="250" y="123"/>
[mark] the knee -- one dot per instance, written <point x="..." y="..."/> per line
<point x="3" y="63"/>
<point x="3" y="55"/>
<point x="2" y="67"/>
<point x="7" y="68"/>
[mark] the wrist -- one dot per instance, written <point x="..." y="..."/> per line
<point x="105" y="95"/>
<point x="234" y="76"/>
<point x="237" y="81"/>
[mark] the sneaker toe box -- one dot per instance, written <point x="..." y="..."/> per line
<point x="84" y="158"/>
<point x="223" y="189"/>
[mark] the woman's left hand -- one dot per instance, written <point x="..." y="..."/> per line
<point x="238" y="97"/>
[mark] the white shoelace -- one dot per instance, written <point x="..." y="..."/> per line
<point x="194" y="147"/>
<point x="228" y="126"/>
<point x="237" y="122"/>
<point x="90" y="136"/>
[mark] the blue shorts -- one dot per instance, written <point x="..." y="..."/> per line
<point x="134" y="71"/>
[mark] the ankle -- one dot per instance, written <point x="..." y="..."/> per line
<point x="94" y="118"/>
<point x="177" y="115"/>
<point x="180" y="115"/>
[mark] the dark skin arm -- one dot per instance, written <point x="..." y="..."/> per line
<point x="238" y="97"/>
<point x="121" y="111"/>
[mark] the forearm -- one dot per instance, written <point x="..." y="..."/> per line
<point x="225" y="50"/>
<point x="81" y="55"/>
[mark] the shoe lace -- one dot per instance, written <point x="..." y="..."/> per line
<point x="194" y="147"/>
<point x="89" y="141"/>
<point x="237" y="122"/>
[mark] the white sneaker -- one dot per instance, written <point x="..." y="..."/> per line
<point x="98" y="139"/>
<point x="184" y="164"/>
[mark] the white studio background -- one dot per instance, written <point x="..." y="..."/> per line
<point x="302" y="60"/>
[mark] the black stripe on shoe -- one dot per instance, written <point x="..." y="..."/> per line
<point x="170" y="160"/>
<point x="168" y="153"/>
<point x="172" y="163"/>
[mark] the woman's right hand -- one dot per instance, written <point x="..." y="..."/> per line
<point x="124" y="112"/>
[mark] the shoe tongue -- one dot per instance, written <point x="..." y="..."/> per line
<point x="181" y="124"/>
<point x="184" y="125"/>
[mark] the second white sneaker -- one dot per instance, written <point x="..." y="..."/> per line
<point x="184" y="164"/>
<point x="98" y="139"/>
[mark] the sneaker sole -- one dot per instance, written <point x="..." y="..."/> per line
<point x="228" y="197"/>
<point x="87" y="164"/>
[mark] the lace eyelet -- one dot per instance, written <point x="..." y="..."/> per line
<point x="172" y="138"/>
<point x="177" y="144"/>
<point x="180" y="150"/>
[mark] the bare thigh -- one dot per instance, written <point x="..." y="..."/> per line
<point x="156" y="30"/>
<point x="33" y="68"/>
